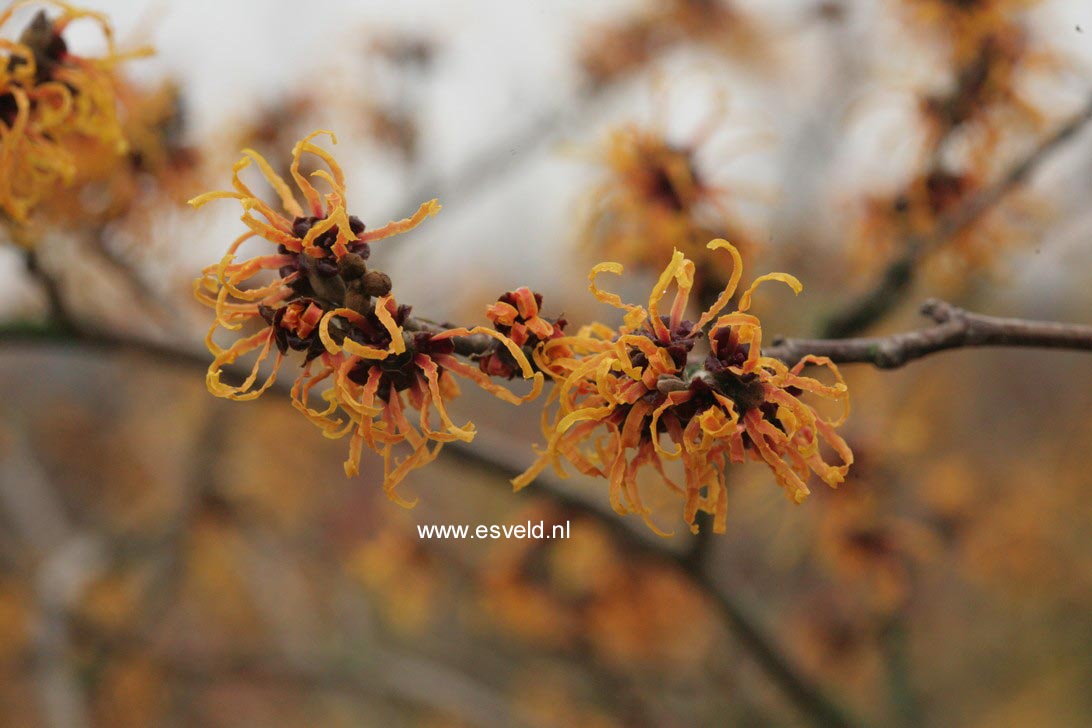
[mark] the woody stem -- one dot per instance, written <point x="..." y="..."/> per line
<point x="955" y="329"/>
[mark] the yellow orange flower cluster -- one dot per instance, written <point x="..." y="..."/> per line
<point x="889" y="221"/>
<point x="655" y="199"/>
<point x="516" y="315"/>
<point x="358" y="343"/>
<point x="620" y="392"/>
<point x="54" y="105"/>
<point x="990" y="50"/>
<point x="965" y="123"/>
<point x="987" y="97"/>
<point x="967" y="22"/>
<point x="558" y="593"/>
<point x="613" y="51"/>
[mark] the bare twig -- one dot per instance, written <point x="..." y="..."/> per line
<point x="897" y="278"/>
<point x="53" y="334"/>
<point x="150" y="302"/>
<point x="57" y="310"/>
<point x="894" y="637"/>
<point x="955" y="329"/>
<point x="809" y="698"/>
<point x="464" y="345"/>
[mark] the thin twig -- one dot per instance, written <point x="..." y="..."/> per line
<point x="905" y="707"/>
<point x="150" y="302"/>
<point x="897" y="278"/>
<point x="809" y="698"/>
<point x="955" y="329"/>
<point x="57" y="308"/>
<point x="819" y="708"/>
<point x="53" y="334"/>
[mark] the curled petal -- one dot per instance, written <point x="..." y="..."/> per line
<point x="288" y="200"/>
<point x="263" y="339"/>
<point x="394" y="227"/>
<point x="611" y="299"/>
<point x="517" y="353"/>
<point x="308" y="190"/>
<point x="466" y="432"/>
<point x="683" y="275"/>
<point x="733" y="282"/>
<point x="791" y="281"/>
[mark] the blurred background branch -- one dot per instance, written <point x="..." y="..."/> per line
<point x="897" y="278"/>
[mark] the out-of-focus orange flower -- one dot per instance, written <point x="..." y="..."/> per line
<point x="53" y="105"/>
<point x="277" y="123"/>
<point x="401" y="575"/>
<point x="562" y="593"/>
<point x="835" y="634"/>
<point x="966" y="23"/>
<point x="654" y="617"/>
<point x="947" y="493"/>
<point x="656" y="199"/>
<point x="985" y="99"/>
<point x="613" y="51"/>
<point x="327" y="303"/>
<point x="863" y="542"/>
<point x="890" y="222"/>
<point x="638" y="383"/>
<point x="158" y="169"/>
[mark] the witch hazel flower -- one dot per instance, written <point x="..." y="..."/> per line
<point x="621" y="393"/>
<point x="58" y="109"/>
<point x="382" y="378"/>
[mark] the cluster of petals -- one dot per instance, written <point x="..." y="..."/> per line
<point x="55" y="106"/>
<point x="516" y="315"/>
<point x="968" y="22"/>
<point x="653" y="200"/>
<point x="366" y="364"/>
<point x="621" y="393"/>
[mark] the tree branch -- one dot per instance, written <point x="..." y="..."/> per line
<point x="811" y="700"/>
<point x="954" y="329"/>
<point x="57" y="311"/>
<point x="896" y="279"/>
<point x="814" y="703"/>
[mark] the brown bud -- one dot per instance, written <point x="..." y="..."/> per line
<point x="44" y="42"/>
<point x="351" y="266"/>
<point x="358" y="301"/>
<point x="38" y="32"/>
<point x="377" y="283"/>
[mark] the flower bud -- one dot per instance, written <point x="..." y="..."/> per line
<point x="377" y="283"/>
<point x="351" y="266"/>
